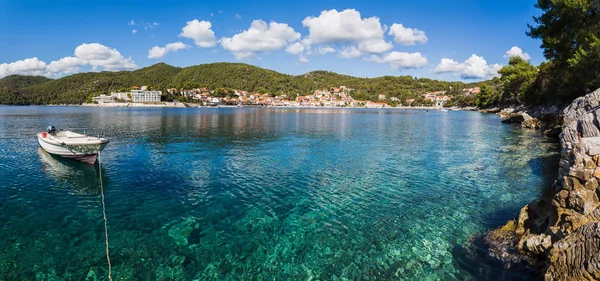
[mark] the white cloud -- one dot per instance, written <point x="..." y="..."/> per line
<point x="237" y="16"/>
<point x="97" y="56"/>
<point x="516" y="52"/>
<point x="260" y="37"/>
<point x="200" y="32"/>
<point x="212" y="14"/>
<point x="302" y="59"/>
<point x="475" y="67"/>
<point x="332" y="27"/>
<point x="350" y="52"/>
<point x="375" y="46"/>
<point x="100" y="56"/>
<point x="401" y="60"/>
<point x="295" y="48"/>
<point x="31" y="66"/>
<point x="325" y="50"/>
<point x="66" y="65"/>
<point x="131" y="22"/>
<point x="159" y="52"/>
<point x="220" y="11"/>
<point x="407" y="36"/>
<point x="133" y="31"/>
<point x="359" y="35"/>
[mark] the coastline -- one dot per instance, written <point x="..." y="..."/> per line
<point x="196" y="105"/>
<point x="558" y="233"/>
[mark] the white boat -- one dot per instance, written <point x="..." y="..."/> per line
<point x="444" y="110"/>
<point x="71" y="145"/>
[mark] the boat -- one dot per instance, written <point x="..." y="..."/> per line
<point x="444" y="110"/>
<point x="71" y="145"/>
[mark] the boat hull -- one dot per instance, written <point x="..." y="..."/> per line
<point x="85" y="153"/>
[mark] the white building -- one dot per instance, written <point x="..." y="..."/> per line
<point x="121" y="95"/>
<point x="103" y="98"/>
<point x="145" y="96"/>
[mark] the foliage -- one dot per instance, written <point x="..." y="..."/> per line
<point x="75" y="89"/>
<point x="517" y="78"/>
<point x="570" y="32"/>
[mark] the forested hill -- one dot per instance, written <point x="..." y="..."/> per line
<point x="74" y="89"/>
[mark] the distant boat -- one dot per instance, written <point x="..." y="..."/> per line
<point x="444" y="110"/>
<point x="71" y="145"/>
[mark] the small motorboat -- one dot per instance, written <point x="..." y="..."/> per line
<point x="71" y="145"/>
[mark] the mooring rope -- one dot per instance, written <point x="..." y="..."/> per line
<point x="105" y="221"/>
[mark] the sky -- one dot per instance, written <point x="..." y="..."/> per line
<point x="466" y="40"/>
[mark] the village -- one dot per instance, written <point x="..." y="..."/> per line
<point x="332" y="97"/>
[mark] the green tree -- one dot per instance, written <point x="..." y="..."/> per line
<point x="570" y="32"/>
<point x="516" y="79"/>
<point x="488" y="96"/>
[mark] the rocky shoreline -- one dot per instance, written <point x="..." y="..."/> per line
<point x="560" y="232"/>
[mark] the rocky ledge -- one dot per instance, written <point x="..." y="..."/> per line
<point x="560" y="232"/>
<point x="547" y="118"/>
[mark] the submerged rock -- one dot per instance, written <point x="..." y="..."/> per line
<point x="560" y="233"/>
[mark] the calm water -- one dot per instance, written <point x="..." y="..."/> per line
<point x="277" y="194"/>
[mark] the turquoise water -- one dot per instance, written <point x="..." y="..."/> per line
<point x="277" y="194"/>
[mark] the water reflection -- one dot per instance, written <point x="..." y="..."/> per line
<point x="73" y="176"/>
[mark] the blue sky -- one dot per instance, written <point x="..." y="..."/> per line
<point x="423" y="38"/>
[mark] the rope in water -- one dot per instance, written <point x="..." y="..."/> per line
<point x="105" y="221"/>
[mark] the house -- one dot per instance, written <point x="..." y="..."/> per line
<point x="381" y="97"/>
<point x="103" y="99"/>
<point x="441" y="100"/>
<point x="410" y="101"/>
<point x="140" y="96"/>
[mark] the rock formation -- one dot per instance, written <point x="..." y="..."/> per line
<point x="560" y="232"/>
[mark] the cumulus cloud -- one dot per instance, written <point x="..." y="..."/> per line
<point x="131" y="22"/>
<point x="159" y="52"/>
<point x="133" y="31"/>
<point x="94" y="55"/>
<point x="350" y="52"/>
<point x="295" y="48"/>
<point x="260" y="37"/>
<point x="475" y="67"/>
<point x="348" y="28"/>
<point x="302" y="59"/>
<point x="31" y="66"/>
<point x="376" y="46"/>
<point x="200" y="32"/>
<point x="401" y="60"/>
<point x="516" y="52"/>
<point x="323" y="50"/>
<point x="407" y="36"/>
<point x="332" y="27"/>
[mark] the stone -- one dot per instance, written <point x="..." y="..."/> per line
<point x="521" y="220"/>
<point x="530" y="122"/>
<point x="586" y="127"/>
<point x="589" y="163"/>
<point x="577" y="256"/>
<point x="537" y="244"/>
<point x="514" y="118"/>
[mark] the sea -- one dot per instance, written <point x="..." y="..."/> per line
<point x="265" y="194"/>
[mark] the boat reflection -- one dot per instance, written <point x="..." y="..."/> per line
<point x="76" y="177"/>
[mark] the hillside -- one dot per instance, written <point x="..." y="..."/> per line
<point x="74" y="89"/>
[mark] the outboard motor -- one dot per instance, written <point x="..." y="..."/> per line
<point x="51" y="130"/>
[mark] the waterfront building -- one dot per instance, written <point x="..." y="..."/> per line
<point x="141" y="96"/>
<point x="103" y="99"/>
<point x="120" y="95"/>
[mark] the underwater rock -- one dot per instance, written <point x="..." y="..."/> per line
<point x="180" y="232"/>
